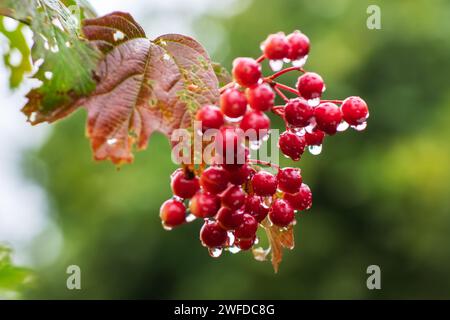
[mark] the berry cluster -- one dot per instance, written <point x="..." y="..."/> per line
<point x="234" y="198"/>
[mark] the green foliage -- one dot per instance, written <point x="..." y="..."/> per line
<point x="13" y="279"/>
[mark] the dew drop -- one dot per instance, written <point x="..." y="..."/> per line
<point x="111" y="141"/>
<point x="215" y="252"/>
<point x="190" y="217"/>
<point x="298" y="131"/>
<point x="166" y="227"/>
<point x="360" y="127"/>
<point x="276" y="65"/>
<point x="342" y="126"/>
<point x="255" y="144"/>
<point x="233" y="120"/>
<point x="166" y="57"/>
<point x="15" y="57"/>
<point x="315" y="150"/>
<point x="48" y="75"/>
<point x="234" y="249"/>
<point x="314" y="102"/>
<point x="300" y="62"/>
<point x="54" y="48"/>
<point x="286" y="60"/>
<point x="118" y="35"/>
<point x="310" y="128"/>
<point x="177" y="198"/>
<point x="231" y="238"/>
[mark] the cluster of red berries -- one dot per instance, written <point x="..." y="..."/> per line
<point x="234" y="198"/>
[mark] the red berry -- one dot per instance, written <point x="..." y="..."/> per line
<point x="229" y="143"/>
<point x="241" y="175"/>
<point x="298" y="112"/>
<point x="210" y="116"/>
<point x="183" y="185"/>
<point x="328" y="117"/>
<point x="292" y="145"/>
<point x="204" y="204"/>
<point x="264" y="183"/>
<point x="233" y="103"/>
<point x="354" y="110"/>
<point x="212" y="235"/>
<point x="281" y="213"/>
<point x="248" y="227"/>
<point x="245" y="244"/>
<point x="255" y="125"/>
<point x="299" y="45"/>
<point x="289" y="180"/>
<point x="233" y="197"/>
<point x="246" y="71"/>
<point x="255" y="206"/>
<point x="229" y="219"/>
<point x="301" y="200"/>
<point x="172" y="213"/>
<point x="310" y="85"/>
<point x="276" y="47"/>
<point x="214" y="180"/>
<point x="261" y="97"/>
<point x="314" y="138"/>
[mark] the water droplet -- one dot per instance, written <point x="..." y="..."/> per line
<point x="190" y="217"/>
<point x="177" y="198"/>
<point x="324" y="88"/>
<point x="48" y="75"/>
<point x="314" y="102"/>
<point x="255" y="144"/>
<point x="54" y="48"/>
<point x="234" y="249"/>
<point x="231" y="238"/>
<point x="276" y="65"/>
<point x="68" y="44"/>
<point x="118" y="35"/>
<point x="310" y="128"/>
<point x="342" y="126"/>
<point x="215" y="252"/>
<point x="15" y="57"/>
<point x="360" y="127"/>
<point x="111" y="141"/>
<point x="163" y="43"/>
<point x="300" y="62"/>
<point x="368" y="114"/>
<point x="233" y="120"/>
<point x="165" y="226"/>
<point x="315" y="150"/>
<point x="266" y="137"/>
<point x="166" y="57"/>
<point x="256" y="241"/>
<point x="298" y="131"/>
<point x="286" y="60"/>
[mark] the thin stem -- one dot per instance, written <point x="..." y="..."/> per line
<point x="281" y="94"/>
<point x="332" y="101"/>
<point x="280" y="73"/>
<point x="285" y="87"/>
<point x="227" y="86"/>
<point x="265" y="163"/>
<point x="261" y="59"/>
<point x="278" y="110"/>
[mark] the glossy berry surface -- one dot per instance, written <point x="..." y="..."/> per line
<point x="310" y="85"/>
<point x="292" y="145"/>
<point x="261" y="97"/>
<point x="256" y="121"/>
<point x="214" y="180"/>
<point x="255" y="206"/>
<point x="301" y="200"/>
<point x="212" y="235"/>
<point x="210" y="116"/>
<point x="233" y="103"/>
<point x="354" y="110"/>
<point x="281" y="213"/>
<point x="233" y="197"/>
<point x="264" y="183"/>
<point x="247" y="228"/>
<point x="289" y="180"/>
<point x="229" y="219"/>
<point x="298" y="112"/>
<point x="204" y="204"/>
<point x="298" y="45"/>
<point x="276" y="47"/>
<point x="184" y="185"/>
<point x="328" y="117"/>
<point x="314" y="138"/>
<point x="241" y="175"/>
<point x="172" y="213"/>
<point x="245" y="244"/>
<point x="246" y="71"/>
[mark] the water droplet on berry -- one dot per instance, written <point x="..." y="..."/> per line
<point x="310" y="128"/>
<point x="234" y="249"/>
<point x="360" y="127"/>
<point x="286" y="60"/>
<point x="233" y="120"/>
<point x="256" y="241"/>
<point x="177" y="198"/>
<point x="314" y="102"/>
<point x="166" y="227"/>
<point x="111" y="141"/>
<point x="298" y="131"/>
<point x="315" y="150"/>
<point x="190" y="217"/>
<point x="300" y="62"/>
<point x="266" y="137"/>
<point x="255" y="144"/>
<point x="342" y="126"/>
<point x="166" y="57"/>
<point x="215" y="252"/>
<point x="231" y="238"/>
<point x="276" y="65"/>
<point x="368" y="114"/>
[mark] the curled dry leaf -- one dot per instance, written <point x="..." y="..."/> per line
<point x="278" y="238"/>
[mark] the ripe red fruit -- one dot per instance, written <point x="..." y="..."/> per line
<point x="301" y="200"/>
<point x="229" y="219"/>
<point x="204" y="204"/>
<point x="281" y="213"/>
<point x="314" y="138"/>
<point x="276" y="47"/>
<point x="246" y="71"/>
<point x="229" y="142"/>
<point x="328" y="117"/>
<point x="257" y="121"/>
<point x="264" y="183"/>
<point x="248" y="227"/>
<point x="261" y="97"/>
<point x="245" y="244"/>
<point x="214" y="180"/>
<point x="310" y="85"/>
<point x="299" y="45"/>
<point x="354" y="110"/>
<point x="184" y="185"/>
<point x="292" y="145"/>
<point x="255" y="206"/>
<point x="233" y="103"/>
<point x="233" y="197"/>
<point x="289" y="180"/>
<point x="210" y="116"/>
<point x="241" y="175"/>
<point x="172" y="213"/>
<point x="298" y="112"/>
<point x="212" y="235"/>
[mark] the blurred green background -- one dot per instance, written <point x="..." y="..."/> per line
<point x="380" y="197"/>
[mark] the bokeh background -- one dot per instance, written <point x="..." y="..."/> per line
<point x="380" y="197"/>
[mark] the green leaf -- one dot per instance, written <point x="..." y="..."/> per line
<point x="222" y="74"/>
